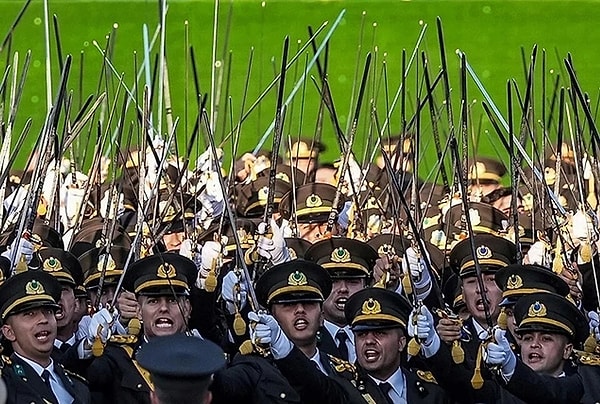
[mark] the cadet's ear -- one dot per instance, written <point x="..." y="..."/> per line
<point x="8" y="333"/>
<point x="567" y="351"/>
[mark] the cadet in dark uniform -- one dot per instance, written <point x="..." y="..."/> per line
<point x="550" y="327"/>
<point x="350" y="264"/>
<point x="161" y="284"/>
<point x="28" y="302"/>
<point x="181" y="368"/>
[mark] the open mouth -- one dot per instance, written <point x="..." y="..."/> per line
<point x="534" y="357"/>
<point x="59" y="314"/>
<point x="43" y="336"/>
<point x="480" y="306"/>
<point x="163" y="323"/>
<point x="340" y="303"/>
<point x="371" y="355"/>
<point x="300" y="324"/>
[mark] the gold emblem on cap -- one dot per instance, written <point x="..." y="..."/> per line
<point x="314" y="201"/>
<point x="297" y="278"/>
<point x="166" y="270"/>
<point x="537" y="309"/>
<point x="514" y="282"/>
<point x="33" y="287"/>
<point x="52" y="264"/>
<point x="386" y="249"/>
<point x="106" y="263"/>
<point x="263" y="194"/>
<point x="483" y="252"/>
<point x="340" y="255"/>
<point x="371" y="307"/>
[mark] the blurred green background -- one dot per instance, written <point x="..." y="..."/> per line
<point x="497" y="36"/>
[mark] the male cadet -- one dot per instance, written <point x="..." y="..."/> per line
<point x="65" y="267"/>
<point x="308" y="206"/>
<point x="520" y="280"/>
<point x="350" y="264"/>
<point x="485" y="175"/>
<point x="28" y="302"/>
<point x="304" y="155"/>
<point x="161" y="284"/>
<point x="293" y="292"/>
<point x="461" y="350"/>
<point x="181" y="368"/>
<point x="550" y="327"/>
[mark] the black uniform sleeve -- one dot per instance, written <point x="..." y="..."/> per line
<point x="532" y="387"/>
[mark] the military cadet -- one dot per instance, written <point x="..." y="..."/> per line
<point x="161" y="284"/>
<point x="304" y="155"/>
<point x="294" y="292"/>
<point x="28" y="302"/>
<point x="350" y="264"/>
<point x="550" y="327"/>
<point x="307" y="209"/>
<point x="519" y="280"/>
<point x="181" y="368"/>
<point x="485" y="176"/>
<point x="469" y="381"/>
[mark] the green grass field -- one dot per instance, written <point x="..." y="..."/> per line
<point x="493" y="34"/>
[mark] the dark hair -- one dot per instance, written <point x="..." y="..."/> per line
<point x="180" y="391"/>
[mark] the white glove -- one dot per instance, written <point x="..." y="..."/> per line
<point x="268" y="331"/>
<point x="71" y="201"/>
<point x="582" y="226"/>
<point x="536" y="254"/>
<point x="344" y="216"/>
<point x="116" y="208"/>
<point x="210" y="252"/>
<point x="274" y="249"/>
<point x="187" y="249"/>
<point x="204" y="161"/>
<point x="499" y="353"/>
<point x="594" y="324"/>
<point x="24" y="247"/>
<point x="421" y="325"/>
<point x="228" y="291"/>
<point x="100" y="326"/>
<point x="418" y="271"/>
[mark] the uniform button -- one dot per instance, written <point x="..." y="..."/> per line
<point x="282" y="395"/>
<point x="139" y="386"/>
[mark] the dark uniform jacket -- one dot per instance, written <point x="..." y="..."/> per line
<point x="588" y="367"/>
<point x="24" y="385"/>
<point x="326" y="343"/>
<point x="115" y="378"/>
<point x="252" y="379"/>
<point x="351" y="384"/>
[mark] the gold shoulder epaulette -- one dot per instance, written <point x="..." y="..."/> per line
<point x="426" y="376"/>
<point x="5" y="360"/>
<point x="341" y="365"/>
<point x="586" y="358"/>
<point x="123" y="339"/>
<point x="75" y="375"/>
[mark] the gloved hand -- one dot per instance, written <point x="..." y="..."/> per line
<point x="536" y="254"/>
<point x="209" y="253"/>
<point x="24" y="248"/>
<point x="100" y="326"/>
<point x="273" y="249"/>
<point x="204" y="161"/>
<point x="582" y="226"/>
<point x="344" y="216"/>
<point x="268" y="331"/>
<point x="499" y="353"/>
<point x="421" y="325"/>
<point x="187" y="249"/>
<point x="228" y="291"/>
<point x="418" y="271"/>
<point x="594" y="324"/>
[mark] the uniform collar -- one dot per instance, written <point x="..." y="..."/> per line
<point x="396" y="380"/>
<point x="36" y="366"/>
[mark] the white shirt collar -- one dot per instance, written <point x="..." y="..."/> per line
<point x="396" y="380"/>
<point x="71" y="341"/>
<point x="316" y="358"/>
<point x="482" y="333"/>
<point x="333" y="329"/>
